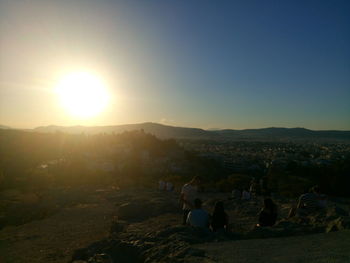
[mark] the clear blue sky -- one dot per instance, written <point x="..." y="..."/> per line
<point x="210" y="64"/>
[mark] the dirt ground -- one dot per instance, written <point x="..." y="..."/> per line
<point x="54" y="238"/>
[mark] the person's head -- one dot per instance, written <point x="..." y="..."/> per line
<point x="219" y="207"/>
<point x="196" y="180"/>
<point x="197" y="203"/>
<point x="269" y="204"/>
<point x="315" y="189"/>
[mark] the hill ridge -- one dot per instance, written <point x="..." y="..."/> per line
<point x="167" y="131"/>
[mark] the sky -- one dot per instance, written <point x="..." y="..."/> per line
<point x="208" y="64"/>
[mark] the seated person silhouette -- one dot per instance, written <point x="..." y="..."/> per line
<point x="219" y="220"/>
<point x="198" y="217"/>
<point x="309" y="203"/>
<point x="268" y="215"/>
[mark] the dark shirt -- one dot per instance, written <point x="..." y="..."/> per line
<point x="219" y="221"/>
<point x="267" y="218"/>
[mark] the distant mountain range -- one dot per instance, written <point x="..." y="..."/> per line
<point x="164" y="131"/>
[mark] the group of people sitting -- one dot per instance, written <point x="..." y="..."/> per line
<point x="165" y="186"/>
<point x="198" y="217"/>
<point x="194" y="215"/>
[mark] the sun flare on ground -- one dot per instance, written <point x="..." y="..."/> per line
<point x="83" y="95"/>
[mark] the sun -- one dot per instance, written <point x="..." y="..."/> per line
<point x="82" y="94"/>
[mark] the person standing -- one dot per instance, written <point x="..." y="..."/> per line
<point x="188" y="195"/>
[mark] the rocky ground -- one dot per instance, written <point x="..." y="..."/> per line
<point x="321" y="248"/>
<point x="138" y="225"/>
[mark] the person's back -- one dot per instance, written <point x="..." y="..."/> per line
<point x="220" y="218"/>
<point x="189" y="193"/>
<point x="267" y="218"/>
<point x="169" y="186"/>
<point x="245" y="195"/>
<point x="268" y="214"/>
<point x="310" y="201"/>
<point x="198" y="217"/>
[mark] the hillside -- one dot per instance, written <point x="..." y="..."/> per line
<point x="164" y="131"/>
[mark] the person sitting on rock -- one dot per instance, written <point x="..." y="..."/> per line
<point x="246" y="195"/>
<point x="161" y="185"/>
<point x="309" y="203"/>
<point x="219" y="221"/>
<point x="198" y="217"/>
<point x="311" y="200"/>
<point x="268" y="215"/>
<point x="188" y="195"/>
<point x="253" y="189"/>
<point x="169" y="186"/>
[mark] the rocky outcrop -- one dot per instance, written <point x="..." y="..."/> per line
<point x="150" y="230"/>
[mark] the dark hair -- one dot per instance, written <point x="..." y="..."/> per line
<point x="316" y="189"/>
<point x="197" y="203"/>
<point x="219" y="208"/>
<point x="196" y="178"/>
<point x="269" y="204"/>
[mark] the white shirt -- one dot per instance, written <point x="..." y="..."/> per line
<point x="198" y="218"/>
<point x="189" y="194"/>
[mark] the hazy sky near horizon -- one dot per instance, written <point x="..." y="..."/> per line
<point x="209" y="64"/>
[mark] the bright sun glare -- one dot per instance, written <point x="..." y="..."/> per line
<point x="82" y="94"/>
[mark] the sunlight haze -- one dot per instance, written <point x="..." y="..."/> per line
<point x="82" y="94"/>
<point x="228" y="64"/>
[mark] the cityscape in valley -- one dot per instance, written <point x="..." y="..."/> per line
<point x="237" y="151"/>
<point x="288" y="156"/>
<point x="245" y="156"/>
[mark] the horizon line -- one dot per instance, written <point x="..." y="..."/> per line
<point x="169" y="125"/>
